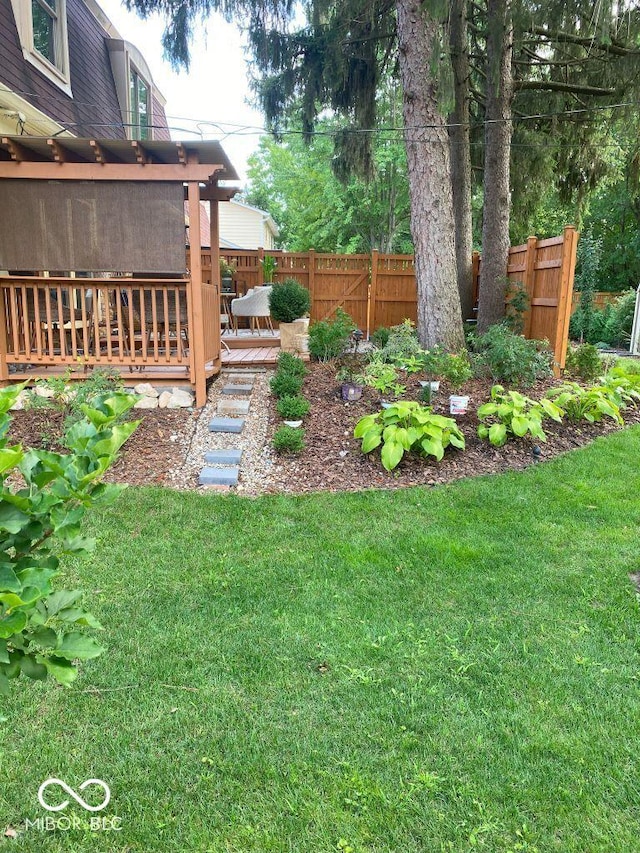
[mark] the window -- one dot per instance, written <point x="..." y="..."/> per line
<point x="42" y="27"/>
<point x="140" y="106"/>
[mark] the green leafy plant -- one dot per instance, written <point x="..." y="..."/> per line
<point x="402" y="344"/>
<point x="434" y="360"/>
<point x="380" y="337"/>
<point x="455" y="368"/>
<point x="412" y="364"/>
<point x="589" y="404"/>
<point x="288" y="301"/>
<point x="41" y="629"/>
<point x="383" y="377"/>
<point x="289" y="363"/>
<point x="517" y="306"/>
<point x="292" y="408"/>
<point x="269" y="266"/>
<point x="584" y="362"/>
<point x="227" y="268"/>
<point x="511" y="413"/>
<point x="406" y="426"/>
<point x="285" y="384"/>
<point x="70" y="396"/>
<point x="288" y="439"/>
<point x="507" y="357"/>
<point x="328" y="339"/>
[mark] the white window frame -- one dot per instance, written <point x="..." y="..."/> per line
<point x="134" y="117"/>
<point x="58" y="73"/>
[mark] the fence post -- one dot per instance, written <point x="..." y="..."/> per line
<point x="372" y="294"/>
<point x="311" y="266"/>
<point x="194" y="304"/>
<point x="4" y="370"/>
<point x="261" y="267"/>
<point x="567" y="271"/>
<point x="530" y="281"/>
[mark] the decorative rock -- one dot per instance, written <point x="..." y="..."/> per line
<point x="223" y="457"/>
<point x="238" y="389"/>
<point x="219" y="476"/>
<point x="146" y="390"/>
<point x="21" y="401"/>
<point x="163" y="399"/>
<point x="146" y="403"/>
<point x="226" y="425"/>
<point x="233" y="407"/>
<point x="180" y="399"/>
<point x="44" y="391"/>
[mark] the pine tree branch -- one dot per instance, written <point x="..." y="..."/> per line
<point x="559" y="86"/>
<point x="569" y="38"/>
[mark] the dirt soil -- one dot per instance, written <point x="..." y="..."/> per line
<point x="332" y="459"/>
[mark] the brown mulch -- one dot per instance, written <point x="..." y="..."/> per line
<point x="157" y="446"/>
<point x="332" y="458"/>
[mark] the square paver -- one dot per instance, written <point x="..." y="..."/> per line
<point x="226" y="425"/>
<point x="219" y="476"/>
<point x="233" y="407"/>
<point x="223" y="457"/>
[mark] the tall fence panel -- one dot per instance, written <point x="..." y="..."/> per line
<point x="380" y="290"/>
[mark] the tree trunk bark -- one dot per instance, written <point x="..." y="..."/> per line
<point x="461" y="155"/>
<point x="426" y="140"/>
<point x="497" y="199"/>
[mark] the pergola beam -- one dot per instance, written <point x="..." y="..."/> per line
<point x="200" y="172"/>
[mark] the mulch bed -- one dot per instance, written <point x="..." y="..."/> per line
<point x="333" y="460"/>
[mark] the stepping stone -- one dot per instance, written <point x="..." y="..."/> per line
<point x="237" y="389"/>
<point x="223" y="457"/>
<point x="219" y="476"/>
<point x="233" y="407"/>
<point x="226" y="425"/>
<point x="241" y="377"/>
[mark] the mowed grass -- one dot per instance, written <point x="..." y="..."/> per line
<point x="453" y="669"/>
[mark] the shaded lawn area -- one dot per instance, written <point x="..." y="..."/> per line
<point x="423" y="670"/>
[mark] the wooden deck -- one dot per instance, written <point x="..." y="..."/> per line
<point x="255" y="356"/>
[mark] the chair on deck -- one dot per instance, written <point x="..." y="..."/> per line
<point x="254" y="304"/>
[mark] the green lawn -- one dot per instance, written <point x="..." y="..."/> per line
<point x="423" y="670"/>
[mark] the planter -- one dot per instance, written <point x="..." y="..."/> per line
<point x="433" y="386"/>
<point x="458" y="405"/>
<point x="226" y="284"/>
<point x="294" y="424"/>
<point x="351" y="391"/>
<point x="289" y="332"/>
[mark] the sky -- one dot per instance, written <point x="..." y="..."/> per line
<point x="213" y="91"/>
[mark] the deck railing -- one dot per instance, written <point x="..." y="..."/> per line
<point x="135" y="323"/>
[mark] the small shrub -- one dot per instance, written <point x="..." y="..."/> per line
<point x="292" y="408"/>
<point x="291" y="364"/>
<point x="69" y="396"/>
<point x="289" y="301"/>
<point x="288" y="439"/>
<point x="382" y="376"/>
<point x="584" y="362"/>
<point x="514" y="414"/>
<point x="407" y="426"/>
<point x="510" y="358"/>
<point x="328" y="339"/>
<point x="517" y="306"/>
<point x="285" y="385"/>
<point x="402" y="343"/>
<point x="456" y="369"/>
<point x="380" y="337"/>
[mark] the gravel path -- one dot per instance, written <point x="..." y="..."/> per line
<point x="257" y="465"/>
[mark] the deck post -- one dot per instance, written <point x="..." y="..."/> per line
<point x="214" y="242"/>
<point x="4" y="368"/>
<point x="196" y="314"/>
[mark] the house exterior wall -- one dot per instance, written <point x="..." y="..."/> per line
<point x="93" y="110"/>
<point x="244" y="227"/>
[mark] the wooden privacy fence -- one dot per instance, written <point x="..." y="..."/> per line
<point x="380" y="290"/>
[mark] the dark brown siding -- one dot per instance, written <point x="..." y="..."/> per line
<point x="160" y="129"/>
<point x="94" y="109"/>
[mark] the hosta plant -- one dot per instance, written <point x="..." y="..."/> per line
<point x="382" y="377"/>
<point x="510" y="413"/>
<point x="406" y="427"/>
<point x="589" y="404"/>
<point x="42" y="629"/>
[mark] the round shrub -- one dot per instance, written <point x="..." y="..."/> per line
<point x="288" y="439"/>
<point x="285" y="385"/>
<point x="328" y="339"/>
<point x="289" y="363"/>
<point x="292" y="408"/>
<point x="289" y="301"/>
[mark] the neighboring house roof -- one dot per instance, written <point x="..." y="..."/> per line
<point x="76" y="83"/>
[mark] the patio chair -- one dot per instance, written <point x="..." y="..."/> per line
<point x="254" y="305"/>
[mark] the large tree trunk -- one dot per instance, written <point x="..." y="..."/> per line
<point x="497" y="198"/>
<point x="461" y="154"/>
<point x="426" y="139"/>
